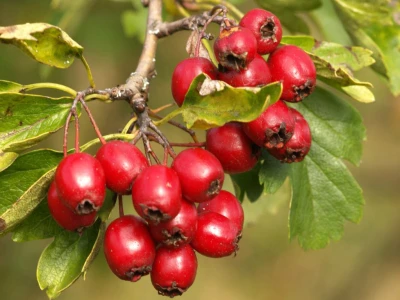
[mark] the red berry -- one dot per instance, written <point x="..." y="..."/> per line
<point x="121" y="162"/>
<point x="273" y="128"/>
<point x="81" y="183"/>
<point x="184" y="73"/>
<point x="216" y="235"/>
<point x="299" y="145"/>
<point x="178" y="231"/>
<point x="129" y="248"/>
<point x="200" y="173"/>
<point x="235" y="47"/>
<point x="255" y="74"/>
<point x="236" y="152"/>
<point x="227" y="205"/>
<point x="64" y="216"/>
<point x="265" y="26"/>
<point x="295" y="69"/>
<point x="156" y="194"/>
<point x="174" y="270"/>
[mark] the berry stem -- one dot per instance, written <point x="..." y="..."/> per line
<point x="176" y="124"/>
<point x="96" y="128"/>
<point x="65" y="143"/>
<point x="88" y="71"/>
<point x="76" y="117"/>
<point x="120" y="206"/>
<point x="196" y="145"/>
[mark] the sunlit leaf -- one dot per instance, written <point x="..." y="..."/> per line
<point x="45" y="43"/>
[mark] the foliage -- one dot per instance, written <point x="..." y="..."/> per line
<point x="324" y="193"/>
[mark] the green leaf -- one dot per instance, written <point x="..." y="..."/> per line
<point x="373" y="24"/>
<point x="9" y="87"/>
<point x="6" y="159"/>
<point x="37" y="226"/>
<point x="335" y="124"/>
<point x="325" y="194"/>
<point x="24" y="185"/>
<point x="209" y="103"/>
<point x="247" y="184"/>
<point x="292" y="5"/>
<point x="335" y="65"/>
<point x="294" y="23"/>
<point x="27" y="119"/>
<point x="45" y="43"/>
<point x="67" y="258"/>
<point x="272" y="173"/>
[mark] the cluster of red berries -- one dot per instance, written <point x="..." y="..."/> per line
<point x="182" y="208"/>
<point x="159" y="241"/>
<point x="283" y="131"/>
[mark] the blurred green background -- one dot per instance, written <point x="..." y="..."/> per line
<point x="365" y="264"/>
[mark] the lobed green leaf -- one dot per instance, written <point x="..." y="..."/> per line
<point x="335" y="65"/>
<point x="325" y="194"/>
<point x="27" y="119"/>
<point x="373" y="24"/>
<point x="212" y="103"/>
<point x="24" y="185"/>
<point x="45" y="43"/>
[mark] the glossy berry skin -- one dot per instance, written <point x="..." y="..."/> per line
<point x="174" y="270"/>
<point x="216" y="235"/>
<point x="256" y="73"/>
<point x="156" y="194"/>
<point x="122" y="162"/>
<point x="64" y="216"/>
<point x="129" y="248"/>
<point x="200" y="173"/>
<point x="266" y="27"/>
<point x="225" y="204"/>
<point x="232" y="147"/>
<point x="235" y="47"/>
<point x="295" y="69"/>
<point x="273" y="128"/>
<point x="178" y="231"/>
<point x="299" y="145"/>
<point x="81" y="183"/>
<point x="184" y="73"/>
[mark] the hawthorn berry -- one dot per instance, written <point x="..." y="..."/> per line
<point x="216" y="235"/>
<point x="64" y="216"/>
<point x="129" y="248"/>
<point x="232" y="147"/>
<point x="235" y="47"/>
<point x="265" y="26"/>
<point x="81" y="183"/>
<point x="178" y="231"/>
<point x="226" y="204"/>
<point x="184" y="73"/>
<point x="122" y="162"/>
<point x="295" y="69"/>
<point x="299" y="145"/>
<point x="156" y="194"/>
<point x="273" y="128"/>
<point x="256" y="73"/>
<point x="200" y="173"/>
<point x="174" y="270"/>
